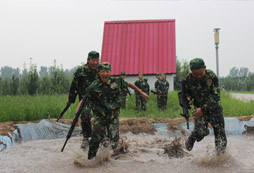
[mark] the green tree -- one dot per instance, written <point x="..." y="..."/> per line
<point x="182" y="69"/>
<point x="14" y="85"/>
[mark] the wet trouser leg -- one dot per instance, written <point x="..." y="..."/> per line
<point x="98" y="133"/>
<point x="102" y="129"/>
<point x="217" y="121"/>
<point x="219" y="130"/>
<point x="200" y="129"/>
<point x="86" y="121"/>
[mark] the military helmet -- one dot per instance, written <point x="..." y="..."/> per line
<point x="197" y="63"/>
<point x="104" y="66"/>
<point x="93" y="55"/>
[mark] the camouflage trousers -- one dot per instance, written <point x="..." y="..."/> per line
<point x="103" y="128"/>
<point x="86" y="121"/>
<point x="141" y="101"/>
<point x="216" y="119"/>
<point x="162" y="101"/>
<point x="123" y="101"/>
<point x="158" y="102"/>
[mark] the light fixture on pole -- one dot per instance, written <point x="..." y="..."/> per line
<point x="216" y="42"/>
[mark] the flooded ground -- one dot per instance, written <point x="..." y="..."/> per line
<point x="145" y="154"/>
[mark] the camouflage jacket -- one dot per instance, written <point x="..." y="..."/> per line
<point x="163" y="87"/>
<point x="143" y="85"/>
<point x="156" y="84"/>
<point x="104" y="97"/>
<point x="83" y="77"/>
<point x="206" y="92"/>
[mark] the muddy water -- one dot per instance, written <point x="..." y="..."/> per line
<point x="145" y="154"/>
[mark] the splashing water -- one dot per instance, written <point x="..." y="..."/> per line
<point x="145" y="154"/>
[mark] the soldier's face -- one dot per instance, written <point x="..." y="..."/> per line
<point x="93" y="63"/>
<point x="198" y="74"/>
<point x="140" y="76"/>
<point x="158" y="77"/>
<point x="163" y="77"/>
<point x="123" y="76"/>
<point x="104" y="75"/>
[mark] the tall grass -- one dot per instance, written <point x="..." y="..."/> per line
<point x="235" y="107"/>
<point x="28" y="108"/>
<point x="173" y="109"/>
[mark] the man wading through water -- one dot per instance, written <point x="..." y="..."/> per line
<point x="203" y="92"/>
<point x="83" y="77"/>
<point x="104" y="96"/>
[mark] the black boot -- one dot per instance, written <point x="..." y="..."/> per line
<point x="91" y="155"/>
<point x="190" y="143"/>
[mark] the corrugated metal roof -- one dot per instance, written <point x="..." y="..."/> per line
<point x="135" y="46"/>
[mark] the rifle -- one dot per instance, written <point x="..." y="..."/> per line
<point x="74" y="122"/>
<point x="64" y="110"/>
<point x="154" y="92"/>
<point x="184" y="103"/>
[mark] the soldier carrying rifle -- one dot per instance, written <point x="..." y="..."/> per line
<point x="144" y="86"/>
<point x="83" y="77"/>
<point x="103" y="94"/>
<point x="202" y="89"/>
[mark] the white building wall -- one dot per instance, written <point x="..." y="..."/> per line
<point x="152" y="79"/>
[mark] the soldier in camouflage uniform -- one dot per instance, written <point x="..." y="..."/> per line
<point x="144" y="86"/>
<point x="103" y="94"/>
<point x="83" y="78"/>
<point x="162" y="90"/>
<point x="156" y="85"/>
<point x="123" y="92"/>
<point x="203" y="91"/>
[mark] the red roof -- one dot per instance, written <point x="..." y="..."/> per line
<point x="135" y="46"/>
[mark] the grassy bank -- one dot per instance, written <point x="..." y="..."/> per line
<point x="28" y="108"/>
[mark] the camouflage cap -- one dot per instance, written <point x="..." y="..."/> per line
<point x="123" y="73"/>
<point x="197" y="63"/>
<point x="104" y="66"/>
<point x="158" y="74"/>
<point x="163" y="74"/>
<point x="93" y="55"/>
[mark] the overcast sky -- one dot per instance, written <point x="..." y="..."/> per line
<point x="66" y="30"/>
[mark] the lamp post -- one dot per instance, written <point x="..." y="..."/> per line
<point x="216" y="42"/>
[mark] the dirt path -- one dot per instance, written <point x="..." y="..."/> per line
<point x="244" y="97"/>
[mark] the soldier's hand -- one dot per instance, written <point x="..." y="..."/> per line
<point x="190" y="101"/>
<point x="198" y="113"/>
<point x="67" y="101"/>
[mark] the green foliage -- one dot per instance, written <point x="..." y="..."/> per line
<point x="53" y="80"/>
<point x="238" y="83"/>
<point x="28" y="108"/>
<point x="235" y="107"/>
<point x="238" y="80"/>
<point x="182" y="69"/>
